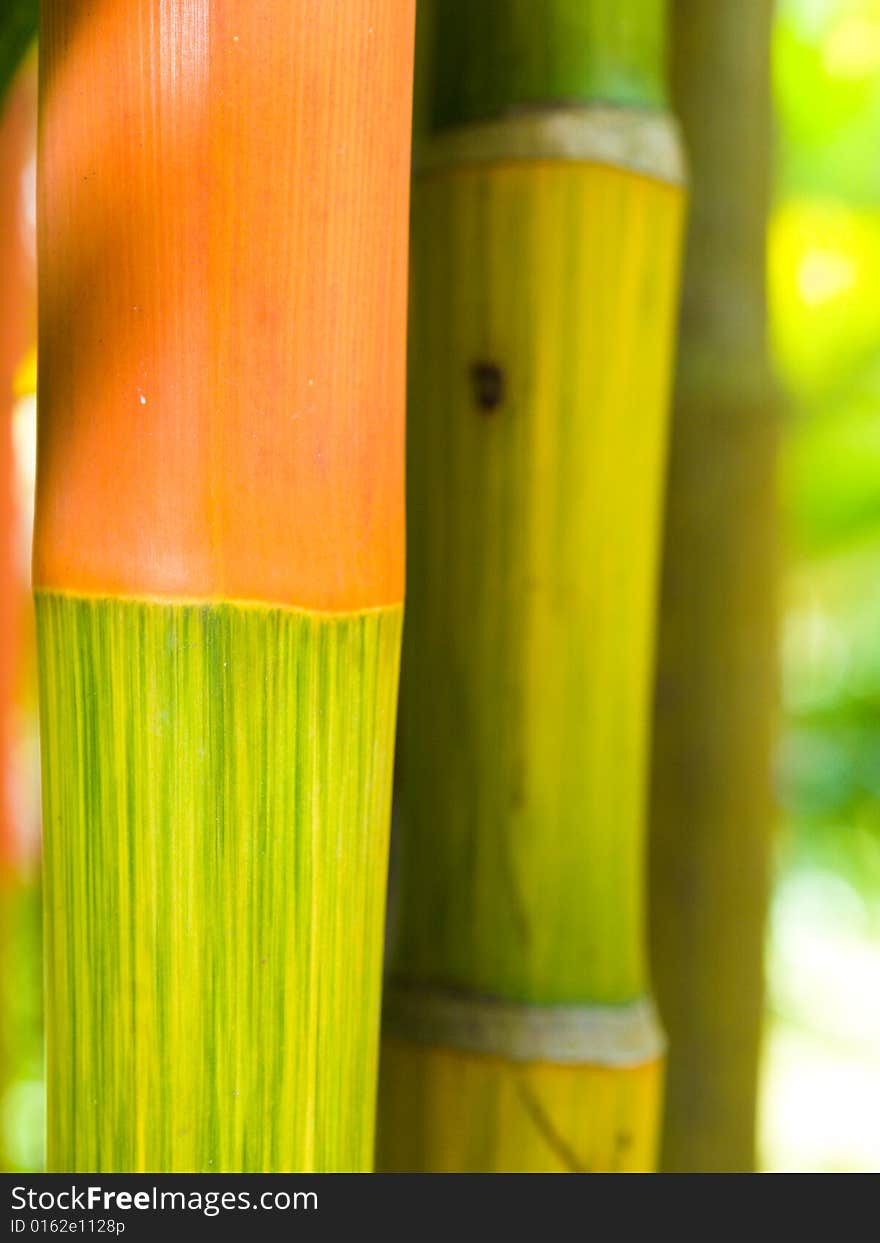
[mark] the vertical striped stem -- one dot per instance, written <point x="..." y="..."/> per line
<point x="215" y="834"/>
<point x="518" y="1031"/>
<point x="716" y="690"/>
<point x="219" y="571"/>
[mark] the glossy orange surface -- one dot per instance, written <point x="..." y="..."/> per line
<point x="17" y="273"/>
<point x="223" y="233"/>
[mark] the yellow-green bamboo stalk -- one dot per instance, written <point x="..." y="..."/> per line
<point x="711" y="798"/>
<point x="216" y="898"/>
<point x="518" y="1031"/>
<point x="219" y="571"/>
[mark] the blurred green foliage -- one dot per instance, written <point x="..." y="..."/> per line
<point x="22" y="1103"/>
<point x="824" y="267"/>
<point x="18" y="27"/>
<point x="827" y="57"/>
<point x="821" y="1087"/>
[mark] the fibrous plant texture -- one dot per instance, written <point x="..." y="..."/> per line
<point x="219" y="571"/>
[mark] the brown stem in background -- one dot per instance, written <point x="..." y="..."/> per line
<point x="716" y="690"/>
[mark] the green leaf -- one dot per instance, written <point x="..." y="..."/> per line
<point x="18" y="27"/>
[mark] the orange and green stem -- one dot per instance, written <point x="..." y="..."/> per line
<point x="219" y="569"/>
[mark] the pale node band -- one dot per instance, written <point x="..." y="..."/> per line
<point x="647" y="143"/>
<point x="596" y="1035"/>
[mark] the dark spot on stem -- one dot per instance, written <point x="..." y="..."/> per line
<point x="488" y="382"/>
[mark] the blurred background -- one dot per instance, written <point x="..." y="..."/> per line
<point x="820" y="1100"/>
<point x="820" y="1084"/>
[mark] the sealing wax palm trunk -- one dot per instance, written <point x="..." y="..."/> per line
<point x="218" y="568"/>
<point x="711" y="807"/>
<point x="518" y="1031"/>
